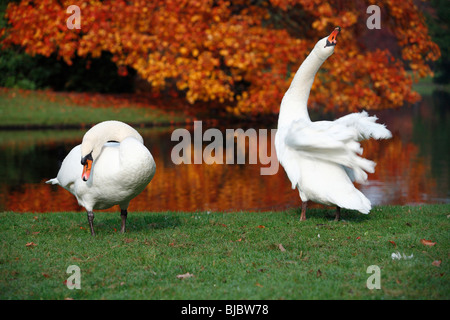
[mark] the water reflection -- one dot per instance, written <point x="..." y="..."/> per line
<point x="412" y="168"/>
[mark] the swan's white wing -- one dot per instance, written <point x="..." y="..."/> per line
<point x="70" y="170"/>
<point x="365" y="126"/>
<point x="318" y="136"/>
<point x="329" y="141"/>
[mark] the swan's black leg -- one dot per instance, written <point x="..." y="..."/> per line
<point x="303" y="215"/>
<point x="338" y="214"/>
<point x="123" y="215"/>
<point x="90" y="216"/>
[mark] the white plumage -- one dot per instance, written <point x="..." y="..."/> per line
<point x="121" y="168"/>
<point x="322" y="159"/>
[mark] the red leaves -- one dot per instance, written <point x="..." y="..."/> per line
<point x="427" y="242"/>
<point x="207" y="51"/>
<point x="30" y="245"/>
<point x="436" y="263"/>
<point x="122" y="71"/>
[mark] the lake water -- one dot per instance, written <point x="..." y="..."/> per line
<point x="412" y="168"/>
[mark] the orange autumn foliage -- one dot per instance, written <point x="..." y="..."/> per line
<point x="241" y="55"/>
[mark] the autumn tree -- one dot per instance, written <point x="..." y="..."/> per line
<point x="241" y="55"/>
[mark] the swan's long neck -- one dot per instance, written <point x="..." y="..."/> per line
<point x="106" y="131"/>
<point x="304" y="78"/>
<point x="294" y="104"/>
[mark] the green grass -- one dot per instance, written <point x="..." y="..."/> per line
<point x="231" y="255"/>
<point x="34" y="108"/>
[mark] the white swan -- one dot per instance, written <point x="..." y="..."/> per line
<point x="111" y="166"/>
<point x="321" y="158"/>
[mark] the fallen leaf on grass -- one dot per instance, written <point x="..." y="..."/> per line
<point x="184" y="276"/>
<point x="436" y="263"/>
<point x="393" y="242"/>
<point x="319" y="273"/>
<point x="261" y="226"/>
<point x="280" y="246"/>
<point x="46" y="275"/>
<point x="427" y="242"/>
<point x="258" y="285"/>
<point x="30" y="244"/>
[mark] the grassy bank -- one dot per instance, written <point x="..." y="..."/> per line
<point x="37" y="109"/>
<point x="426" y="86"/>
<point x="240" y="255"/>
<point x="20" y="108"/>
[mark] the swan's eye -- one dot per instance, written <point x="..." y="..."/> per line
<point x="86" y="158"/>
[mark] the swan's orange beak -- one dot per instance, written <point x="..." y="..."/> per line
<point x="332" y="38"/>
<point x="87" y="167"/>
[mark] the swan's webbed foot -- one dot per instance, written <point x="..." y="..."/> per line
<point x="303" y="215"/>
<point x="90" y="216"/>
<point x="338" y="214"/>
<point x="123" y="215"/>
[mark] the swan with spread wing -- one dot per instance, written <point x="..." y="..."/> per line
<point x="322" y="159"/>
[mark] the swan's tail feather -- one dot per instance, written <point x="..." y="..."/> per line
<point x="366" y="126"/>
<point x="52" y="181"/>
<point x="357" y="201"/>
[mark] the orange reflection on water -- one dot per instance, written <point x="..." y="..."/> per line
<point x="401" y="177"/>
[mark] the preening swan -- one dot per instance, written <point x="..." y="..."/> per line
<point x="111" y="166"/>
<point x="321" y="158"/>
